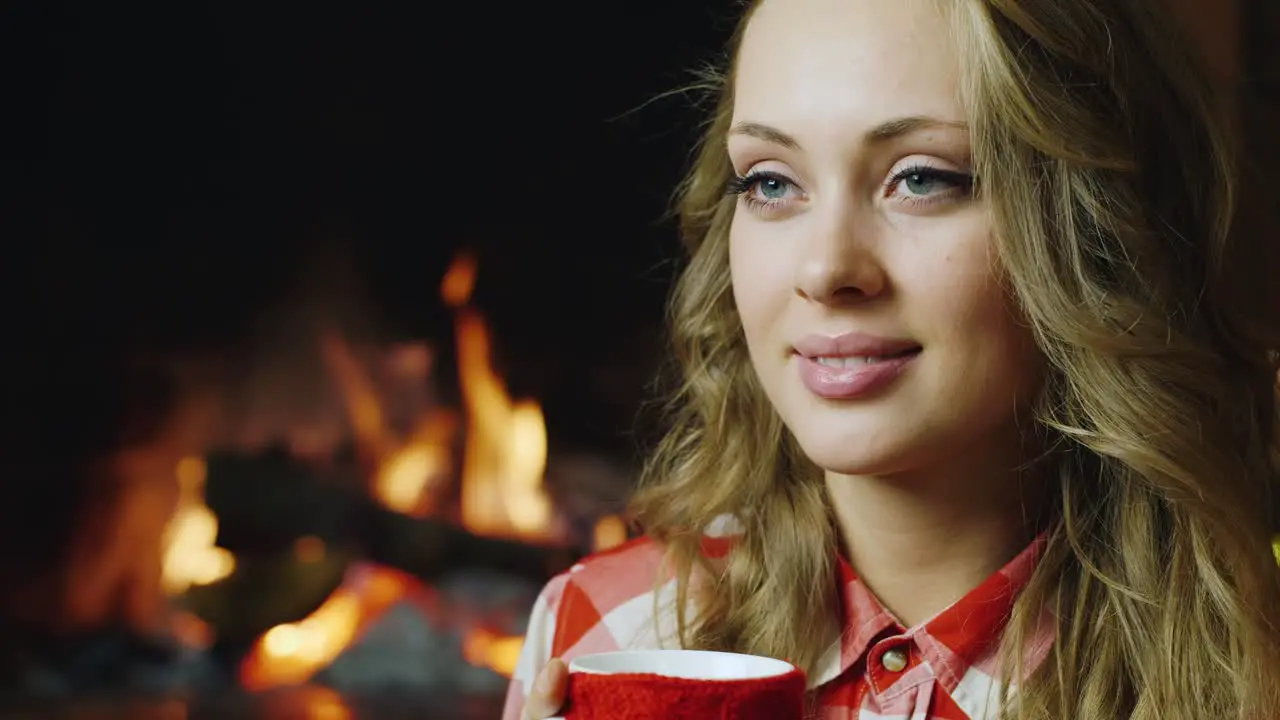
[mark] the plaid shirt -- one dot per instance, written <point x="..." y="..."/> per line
<point x="607" y="603"/>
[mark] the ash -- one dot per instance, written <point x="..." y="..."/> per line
<point x="415" y="650"/>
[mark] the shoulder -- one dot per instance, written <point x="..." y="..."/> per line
<point x="623" y="598"/>
<point x="612" y="575"/>
<point x="602" y="603"/>
<point x="605" y="601"/>
<point x="611" y="600"/>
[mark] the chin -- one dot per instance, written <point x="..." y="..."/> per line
<point x="846" y="454"/>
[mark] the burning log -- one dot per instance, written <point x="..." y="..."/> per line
<point x="266" y="503"/>
<point x="429" y="549"/>
<point x="414" y="522"/>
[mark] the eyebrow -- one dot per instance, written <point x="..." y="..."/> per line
<point x="880" y="134"/>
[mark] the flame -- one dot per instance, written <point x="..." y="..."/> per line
<point x="190" y="554"/>
<point x="506" y="442"/>
<point x="402" y="470"/>
<point x="459" y="280"/>
<point x="501" y="493"/>
<point x="290" y="654"/>
<point x="368" y="423"/>
<point x="499" y="653"/>
<point x="406" y="473"/>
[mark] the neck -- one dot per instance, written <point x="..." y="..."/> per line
<point x="921" y="541"/>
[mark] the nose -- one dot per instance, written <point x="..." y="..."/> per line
<point x="840" y="264"/>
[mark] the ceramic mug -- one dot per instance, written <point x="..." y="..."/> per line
<point x="682" y="685"/>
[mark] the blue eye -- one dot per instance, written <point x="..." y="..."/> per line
<point x="772" y="188"/>
<point x="919" y="184"/>
<point x="921" y="181"/>
<point x="762" y="189"/>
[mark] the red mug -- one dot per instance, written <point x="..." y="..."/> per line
<point x="683" y="685"/>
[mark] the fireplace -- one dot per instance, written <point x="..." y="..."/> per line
<point x="389" y="543"/>
<point x="362" y="527"/>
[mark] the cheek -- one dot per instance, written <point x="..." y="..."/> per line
<point x="968" y="307"/>
<point x="761" y="280"/>
<point x="981" y="323"/>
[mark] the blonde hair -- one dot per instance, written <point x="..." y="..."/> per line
<point x="1109" y="171"/>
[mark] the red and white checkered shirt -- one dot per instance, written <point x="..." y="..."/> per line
<point x="607" y="603"/>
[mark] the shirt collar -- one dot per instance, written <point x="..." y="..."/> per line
<point x="954" y="639"/>
<point x="963" y="632"/>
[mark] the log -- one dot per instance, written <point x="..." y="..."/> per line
<point x="266" y="503"/>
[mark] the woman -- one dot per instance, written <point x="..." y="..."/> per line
<point x="976" y="418"/>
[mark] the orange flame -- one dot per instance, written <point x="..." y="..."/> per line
<point x="506" y="446"/>
<point x="501" y="493"/>
<point x="403" y="471"/>
<point x="506" y="442"/>
<point x="499" y="653"/>
<point x="290" y="654"/>
<point x="459" y="281"/>
<point x="190" y="555"/>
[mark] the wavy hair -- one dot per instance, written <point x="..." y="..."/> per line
<point x="1108" y="164"/>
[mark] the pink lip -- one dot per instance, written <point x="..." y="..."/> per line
<point x="852" y="345"/>
<point x="859" y="380"/>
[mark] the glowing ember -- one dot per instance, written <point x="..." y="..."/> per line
<point x="499" y="653"/>
<point x="313" y="703"/>
<point x="290" y="654"/>
<point x="190" y="555"/>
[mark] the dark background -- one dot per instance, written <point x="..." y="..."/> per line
<point x="188" y="166"/>
<point x="172" y="171"/>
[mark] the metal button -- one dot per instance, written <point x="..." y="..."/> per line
<point x="894" y="660"/>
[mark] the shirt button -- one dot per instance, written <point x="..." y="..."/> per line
<point x="894" y="660"/>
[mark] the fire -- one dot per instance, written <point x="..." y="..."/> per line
<point x="499" y="653"/>
<point x="506" y="441"/>
<point x="190" y="555"/>
<point x="501" y="493"/>
<point x="407" y="473"/>
<point x="402" y="471"/>
<point x="459" y="280"/>
<point x="290" y="654"/>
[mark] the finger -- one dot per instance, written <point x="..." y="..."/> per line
<point x="548" y="692"/>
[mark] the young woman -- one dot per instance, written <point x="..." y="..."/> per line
<point x="976" y="417"/>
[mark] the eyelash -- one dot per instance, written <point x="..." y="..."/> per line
<point x="960" y="181"/>
<point x="741" y="187"/>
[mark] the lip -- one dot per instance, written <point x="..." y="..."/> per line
<point x="852" y="345"/>
<point x="857" y="380"/>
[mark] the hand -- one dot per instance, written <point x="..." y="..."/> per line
<point x="548" y="691"/>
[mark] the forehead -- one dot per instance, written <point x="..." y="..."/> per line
<point x="823" y="66"/>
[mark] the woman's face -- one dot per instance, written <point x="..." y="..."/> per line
<point x="863" y="265"/>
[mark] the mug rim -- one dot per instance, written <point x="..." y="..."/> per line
<point x="773" y="666"/>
